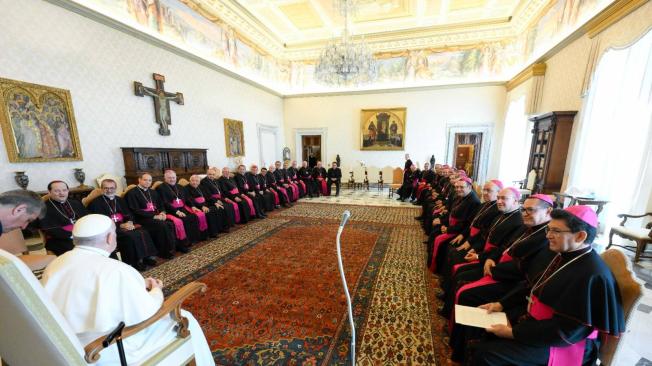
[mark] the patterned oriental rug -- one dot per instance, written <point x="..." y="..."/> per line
<point x="275" y="296"/>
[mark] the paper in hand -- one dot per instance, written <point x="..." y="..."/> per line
<point x="476" y="317"/>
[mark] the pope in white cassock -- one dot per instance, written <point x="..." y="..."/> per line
<point x="95" y="293"/>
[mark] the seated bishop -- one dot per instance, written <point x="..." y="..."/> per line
<point x="210" y="185"/>
<point x="95" y="293"/>
<point x="187" y="222"/>
<point x="197" y="201"/>
<point x="557" y="319"/>
<point x="61" y="214"/>
<point x="134" y="243"/>
<point x="230" y="190"/>
<point x="148" y="211"/>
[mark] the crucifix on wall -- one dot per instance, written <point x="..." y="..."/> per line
<point x="161" y="102"/>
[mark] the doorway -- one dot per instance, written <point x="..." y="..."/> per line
<point x="467" y="153"/>
<point x="311" y="149"/>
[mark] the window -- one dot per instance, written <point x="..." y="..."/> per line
<point x="613" y="154"/>
<point x="517" y="138"/>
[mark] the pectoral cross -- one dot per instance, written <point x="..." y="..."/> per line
<point x="161" y="102"/>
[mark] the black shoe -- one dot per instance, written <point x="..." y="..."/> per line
<point x="418" y="217"/>
<point x="166" y="255"/>
<point x="140" y="266"/>
<point x="150" y="261"/>
<point x="260" y="216"/>
<point x="183" y="249"/>
<point x="441" y="296"/>
<point x="277" y="207"/>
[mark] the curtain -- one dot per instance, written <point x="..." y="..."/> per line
<point x="613" y="155"/>
<point x="517" y="138"/>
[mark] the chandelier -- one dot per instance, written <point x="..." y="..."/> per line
<point x="346" y="62"/>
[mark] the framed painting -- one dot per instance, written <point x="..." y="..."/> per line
<point x="234" y="138"/>
<point x="382" y="129"/>
<point x="38" y="123"/>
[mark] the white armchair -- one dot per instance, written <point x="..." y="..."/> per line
<point x="33" y="331"/>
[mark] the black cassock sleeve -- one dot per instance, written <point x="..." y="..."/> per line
<point x="134" y="205"/>
<point x="556" y="331"/>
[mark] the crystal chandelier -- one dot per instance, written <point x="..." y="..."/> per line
<point x="346" y="62"/>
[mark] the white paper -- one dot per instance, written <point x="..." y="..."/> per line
<point x="476" y="317"/>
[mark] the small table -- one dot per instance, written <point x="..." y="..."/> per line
<point x="560" y="199"/>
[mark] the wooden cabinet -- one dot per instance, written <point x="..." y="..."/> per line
<point x="550" y="141"/>
<point x="185" y="162"/>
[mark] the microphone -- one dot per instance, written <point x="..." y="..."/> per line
<point x="345" y="218"/>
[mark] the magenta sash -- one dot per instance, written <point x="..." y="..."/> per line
<point x="236" y="211"/>
<point x="117" y="217"/>
<point x="67" y="228"/>
<point x="252" y="210"/>
<point x="324" y="187"/>
<point x="302" y="185"/>
<point x="560" y="356"/>
<point x="246" y="186"/>
<point x="217" y="196"/>
<point x="150" y="207"/>
<point x="486" y="280"/>
<point x="442" y="238"/>
<point x="200" y="199"/>
<point x="276" y="200"/>
<point x="505" y="257"/>
<point x="285" y="193"/>
<point x="176" y="203"/>
<point x="179" y="230"/>
<point x="295" y="191"/>
<point x="474" y="231"/>
<point x="488" y="246"/>
<point x="258" y="187"/>
<point x="201" y="217"/>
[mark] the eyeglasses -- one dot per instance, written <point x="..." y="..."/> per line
<point x="529" y="210"/>
<point x="556" y="232"/>
<point x="108" y="188"/>
<point x="504" y="198"/>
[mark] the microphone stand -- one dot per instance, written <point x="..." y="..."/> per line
<point x="345" y="218"/>
<point x="117" y="335"/>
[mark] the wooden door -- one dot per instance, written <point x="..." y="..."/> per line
<point x="467" y="153"/>
<point x="311" y="149"/>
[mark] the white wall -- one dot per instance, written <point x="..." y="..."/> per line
<point x="428" y="113"/>
<point x="45" y="44"/>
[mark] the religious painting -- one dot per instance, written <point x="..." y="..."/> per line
<point x="382" y="129"/>
<point x="38" y="123"/>
<point x="234" y="138"/>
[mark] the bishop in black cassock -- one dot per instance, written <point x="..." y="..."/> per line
<point x="61" y="214"/>
<point x="566" y="308"/>
<point x="196" y="200"/>
<point x="148" y="211"/>
<point x="134" y="243"/>
<point x="210" y="186"/>
<point x="230" y="191"/>
<point x="173" y="200"/>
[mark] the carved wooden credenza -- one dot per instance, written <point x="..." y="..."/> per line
<point x="155" y="160"/>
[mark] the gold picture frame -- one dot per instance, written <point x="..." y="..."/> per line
<point x="383" y="129"/>
<point x="234" y="138"/>
<point x="38" y="123"/>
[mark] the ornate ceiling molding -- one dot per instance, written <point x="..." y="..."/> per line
<point x="534" y="70"/>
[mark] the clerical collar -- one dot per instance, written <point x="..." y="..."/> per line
<point x="570" y="255"/>
<point x="109" y="198"/>
<point x="93" y="249"/>
<point x="142" y="188"/>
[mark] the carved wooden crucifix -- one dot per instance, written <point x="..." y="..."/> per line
<point x="161" y="102"/>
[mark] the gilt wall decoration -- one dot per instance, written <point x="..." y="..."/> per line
<point x="38" y="123"/>
<point x="234" y="138"/>
<point x="382" y="129"/>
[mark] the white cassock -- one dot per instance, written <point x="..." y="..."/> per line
<point x="95" y="293"/>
